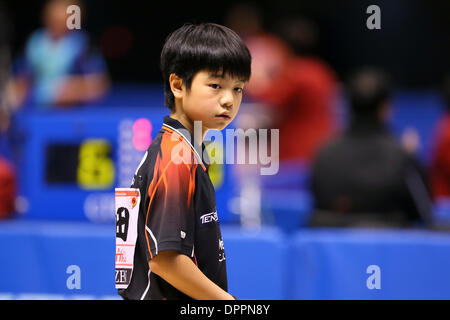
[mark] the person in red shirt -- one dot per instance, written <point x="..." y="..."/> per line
<point x="440" y="164"/>
<point x="298" y="92"/>
<point x="7" y="188"/>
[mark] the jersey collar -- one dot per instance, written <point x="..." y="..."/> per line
<point x="176" y="125"/>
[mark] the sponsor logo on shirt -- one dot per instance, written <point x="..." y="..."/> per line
<point x="221" y="251"/>
<point x="209" y="217"/>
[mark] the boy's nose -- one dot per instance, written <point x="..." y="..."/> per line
<point x="226" y="101"/>
<point x="227" y="106"/>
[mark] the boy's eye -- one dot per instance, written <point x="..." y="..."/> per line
<point x="238" y="89"/>
<point x="214" y="86"/>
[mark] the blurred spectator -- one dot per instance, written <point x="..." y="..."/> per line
<point x="58" y="67"/>
<point x="5" y="32"/>
<point x="7" y="176"/>
<point x="364" y="177"/>
<point x="7" y="188"/>
<point x="287" y="91"/>
<point x="440" y="165"/>
<point x="295" y="91"/>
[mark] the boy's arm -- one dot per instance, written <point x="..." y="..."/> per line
<point x="182" y="273"/>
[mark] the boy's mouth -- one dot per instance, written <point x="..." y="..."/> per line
<point x="223" y="116"/>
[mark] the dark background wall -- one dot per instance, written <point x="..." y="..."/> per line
<point x="413" y="43"/>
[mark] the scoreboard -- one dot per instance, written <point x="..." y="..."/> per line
<point x="70" y="161"/>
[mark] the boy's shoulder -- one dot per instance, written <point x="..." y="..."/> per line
<point x="172" y="148"/>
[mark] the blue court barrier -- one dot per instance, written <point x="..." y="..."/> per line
<point x="346" y="264"/>
<point x="256" y="263"/>
<point x="39" y="259"/>
<point x="37" y="256"/>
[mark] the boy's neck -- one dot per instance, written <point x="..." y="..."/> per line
<point x="189" y="125"/>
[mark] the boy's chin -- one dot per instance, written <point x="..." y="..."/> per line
<point x="220" y="127"/>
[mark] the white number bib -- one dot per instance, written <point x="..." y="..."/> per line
<point x="127" y="210"/>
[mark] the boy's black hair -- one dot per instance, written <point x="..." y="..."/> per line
<point x="206" y="46"/>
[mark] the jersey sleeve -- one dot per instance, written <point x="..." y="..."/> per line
<point x="170" y="218"/>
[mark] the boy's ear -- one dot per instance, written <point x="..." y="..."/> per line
<point x="176" y="85"/>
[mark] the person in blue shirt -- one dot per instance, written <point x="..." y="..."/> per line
<point x="58" y="67"/>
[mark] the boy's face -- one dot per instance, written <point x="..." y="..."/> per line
<point x="212" y="99"/>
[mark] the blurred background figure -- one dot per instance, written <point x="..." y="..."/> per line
<point x="365" y="177"/>
<point x="440" y="164"/>
<point x="7" y="188"/>
<point x="58" y="68"/>
<point x="291" y="89"/>
<point x="294" y="90"/>
<point x="5" y="39"/>
<point x="7" y="175"/>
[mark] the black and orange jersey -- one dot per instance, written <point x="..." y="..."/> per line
<point x="177" y="212"/>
